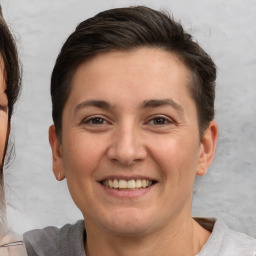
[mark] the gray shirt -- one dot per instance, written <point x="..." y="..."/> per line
<point x="69" y="240"/>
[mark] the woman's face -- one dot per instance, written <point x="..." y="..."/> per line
<point x="3" y="112"/>
<point x="130" y="146"/>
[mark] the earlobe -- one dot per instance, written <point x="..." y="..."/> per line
<point x="207" y="148"/>
<point x="57" y="161"/>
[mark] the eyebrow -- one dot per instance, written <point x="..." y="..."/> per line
<point x="93" y="103"/>
<point x="162" y="102"/>
<point x="153" y="103"/>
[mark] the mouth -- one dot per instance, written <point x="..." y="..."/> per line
<point x="132" y="184"/>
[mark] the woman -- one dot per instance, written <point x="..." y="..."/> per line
<point x="133" y="111"/>
<point x="10" y="243"/>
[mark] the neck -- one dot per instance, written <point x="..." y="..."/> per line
<point x="179" y="239"/>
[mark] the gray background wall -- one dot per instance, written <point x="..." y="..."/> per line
<point x="225" y="28"/>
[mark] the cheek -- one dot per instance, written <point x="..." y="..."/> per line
<point x="82" y="154"/>
<point x="176" y="156"/>
<point x="80" y="160"/>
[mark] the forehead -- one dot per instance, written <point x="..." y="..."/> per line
<point x="131" y="77"/>
<point x="151" y="65"/>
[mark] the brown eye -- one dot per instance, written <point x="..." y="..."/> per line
<point x="95" y="120"/>
<point x="159" y="120"/>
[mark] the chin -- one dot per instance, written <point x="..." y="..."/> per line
<point x="129" y="229"/>
<point x="129" y="224"/>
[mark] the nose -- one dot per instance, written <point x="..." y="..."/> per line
<point x="127" y="146"/>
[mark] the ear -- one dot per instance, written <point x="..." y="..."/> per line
<point x="207" y="148"/>
<point x="57" y="161"/>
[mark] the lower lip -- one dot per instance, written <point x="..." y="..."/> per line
<point x="133" y="193"/>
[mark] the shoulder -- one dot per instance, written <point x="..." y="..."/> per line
<point x="54" y="241"/>
<point x="41" y="241"/>
<point x="225" y="241"/>
<point x="239" y="243"/>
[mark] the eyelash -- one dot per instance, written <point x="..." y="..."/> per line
<point x="162" y="118"/>
<point x="90" y="120"/>
<point x="157" y="120"/>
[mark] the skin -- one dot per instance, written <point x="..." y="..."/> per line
<point x="3" y="113"/>
<point x="146" y="127"/>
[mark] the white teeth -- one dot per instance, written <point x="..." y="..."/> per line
<point x="115" y="184"/>
<point x="131" y="184"/>
<point x="127" y="184"/>
<point x="138" y="183"/>
<point x="122" y="184"/>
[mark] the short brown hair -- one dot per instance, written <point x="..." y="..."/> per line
<point x="126" y="29"/>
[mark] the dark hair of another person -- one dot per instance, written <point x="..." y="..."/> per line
<point x="12" y="77"/>
<point x="131" y="28"/>
<point x="12" y="72"/>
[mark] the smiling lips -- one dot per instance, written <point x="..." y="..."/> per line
<point x="127" y="184"/>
